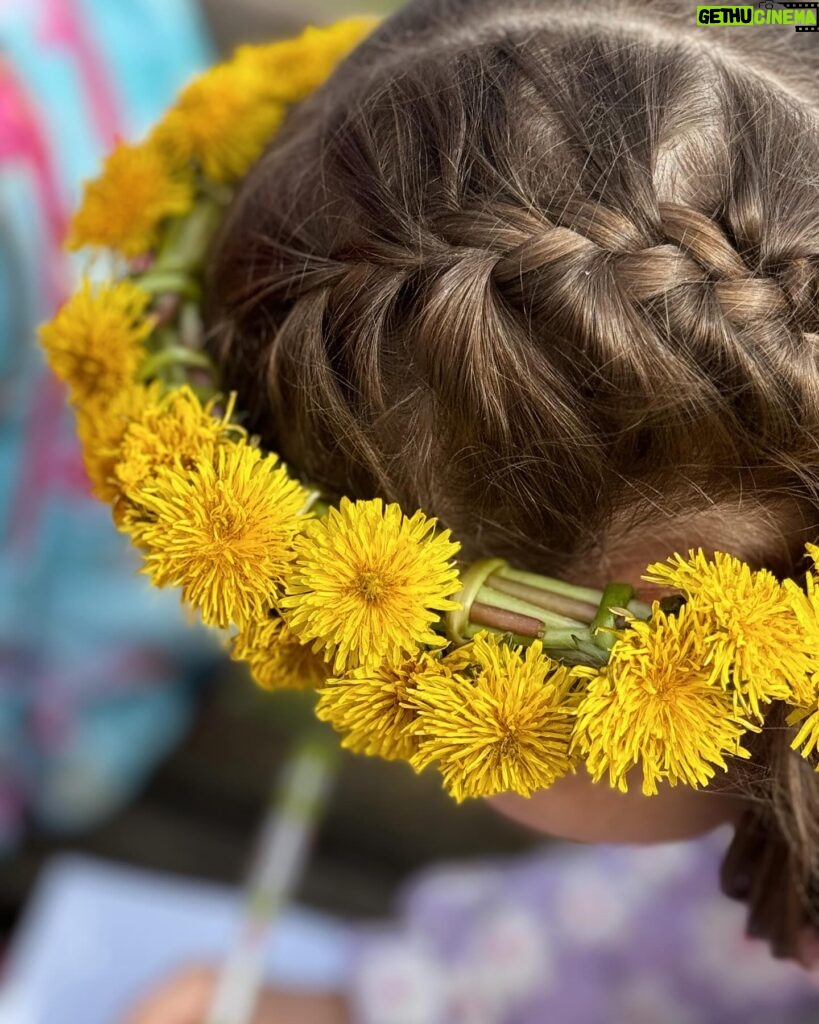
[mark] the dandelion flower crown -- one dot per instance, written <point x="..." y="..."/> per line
<point x="505" y="679"/>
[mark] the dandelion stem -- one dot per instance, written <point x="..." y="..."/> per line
<point x="616" y="595"/>
<point x="639" y="608"/>
<point x="515" y="638"/>
<point x="169" y="282"/>
<point x="174" y="355"/>
<point x="188" y="238"/>
<point x="487" y="595"/>
<point x="564" y="637"/>
<point x="503" y="619"/>
<point x="547" y="599"/>
<point x="587" y="595"/>
<point x="190" y="326"/>
<point x="472" y="579"/>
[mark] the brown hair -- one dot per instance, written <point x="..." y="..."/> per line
<point x="551" y="273"/>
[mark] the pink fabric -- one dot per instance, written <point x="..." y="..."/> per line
<point x="61" y="27"/>
<point x="23" y="139"/>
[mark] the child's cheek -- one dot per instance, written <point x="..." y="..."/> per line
<point x="578" y="809"/>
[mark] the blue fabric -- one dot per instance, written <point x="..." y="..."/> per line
<point x="97" y="668"/>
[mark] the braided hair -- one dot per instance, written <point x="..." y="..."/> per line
<point x="551" y="273"/>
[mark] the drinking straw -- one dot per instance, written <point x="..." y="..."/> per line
<point x="282" y="852"/>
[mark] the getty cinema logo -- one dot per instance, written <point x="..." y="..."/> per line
<point x="804" y="17"/>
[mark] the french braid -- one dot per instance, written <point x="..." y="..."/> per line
<point x="551" y="273"/>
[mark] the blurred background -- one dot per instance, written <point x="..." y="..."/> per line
<point x="124" y="732"/>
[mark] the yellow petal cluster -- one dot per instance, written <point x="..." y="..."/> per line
<point x="369" y="582"/>
<point x="369" y="706"/>
<point x="806" y="695"/>
<point x="502" y="724"/>
<point x="806" y="740"/>
<point x="290" y="69"/>
<point x="805" y="604"/>
<point x="220" y="122"/>
<point x="101" y="426"/>
<point x="124" y="208"/>
<point x="223" y="120"/>
<point x="656" y="705"/>
<point x="223" y="531"/>
<point x="753" y="638"/>
<point x="95" y="343"/>
<point x="276" y="659"/>
<point x="177" y="430"/>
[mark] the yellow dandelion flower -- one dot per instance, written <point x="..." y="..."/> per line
<point x="176" y="431"/>
<point x="754" y="639"/>
<point x="502" y="724"/>
<point x="276" y="659"/>
<point x="806" y="689"/>
<point x="368" y="583"/>
<point x="369" y="705"/>
<point x="293" y="68"/>
<point x="805" y="604"/>
<point x="806" y="740"/>
<point x="95" y="343"/>
<point x="221" y="120"/>
<point x="223" y="531"/>
<point x="654" y="705"/>
<point x="124" y="207"/>
<point x="101" y="426"/>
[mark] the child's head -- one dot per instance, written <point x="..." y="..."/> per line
<point x="550" y="272"/>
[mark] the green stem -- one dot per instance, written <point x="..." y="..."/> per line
<point x="552" y="602"/>
<point x="190" y="326"/>
<point x="471" y="582"/>
<point x="581" y="654"/>
<point x="203" y="392"/>
<point x="188" y="238"/>
<point x="571" y="647"/>
<point x="615" y="595"/>
<point x="173" y="282"/>
<point x="174" y="375"/>
<point x="515" y="638"/>
<point x="587" y="595"/>
<point x="504" y="619"/>
<point x="639" y="608"/>
<point x="487" y="595"/>
<point x="174" y="355"/>
<point x="565" y="637"/>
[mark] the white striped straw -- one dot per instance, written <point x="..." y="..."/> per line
<point x="282" y="852"/>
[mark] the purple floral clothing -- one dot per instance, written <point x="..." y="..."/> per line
<point x="582" y="935"/>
